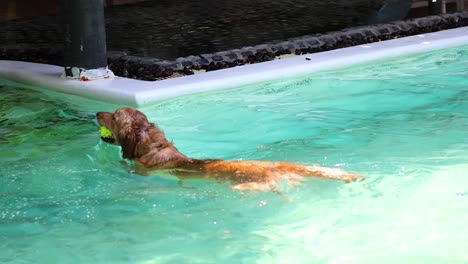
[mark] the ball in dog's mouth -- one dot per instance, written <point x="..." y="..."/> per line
<point x="106" y="134"/>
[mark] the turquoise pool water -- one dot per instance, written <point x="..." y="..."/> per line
<point x="65" y="197"/>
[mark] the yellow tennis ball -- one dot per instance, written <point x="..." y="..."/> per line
<point x="105" y="132"/>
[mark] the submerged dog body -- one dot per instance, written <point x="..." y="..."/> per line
<point x="147" y="145"/>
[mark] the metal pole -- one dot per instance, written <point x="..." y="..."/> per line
<point x="434" y="7"/>
<point x="85" y="39"/>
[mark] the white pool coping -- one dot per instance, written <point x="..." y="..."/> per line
<point x="138" y="93"/>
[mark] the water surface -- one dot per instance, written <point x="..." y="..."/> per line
<point x="65" y="196"/>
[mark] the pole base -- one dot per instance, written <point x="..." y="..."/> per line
<point x="76" y="73"/>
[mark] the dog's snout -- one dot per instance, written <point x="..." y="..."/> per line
<point x="97" y="114"/>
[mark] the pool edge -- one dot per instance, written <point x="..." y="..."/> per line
<point x="139" y="93"/>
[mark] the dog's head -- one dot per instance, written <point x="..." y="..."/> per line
<point x="132" y="131"/>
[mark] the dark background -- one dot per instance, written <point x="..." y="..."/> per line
<point x="167" y="29"/>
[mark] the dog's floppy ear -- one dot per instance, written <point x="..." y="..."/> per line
<point x="128" y="141"/>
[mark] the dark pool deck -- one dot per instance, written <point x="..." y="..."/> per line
<point x="146" y="65"/>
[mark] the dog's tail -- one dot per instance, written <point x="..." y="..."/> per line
<point x="265" y="175"/>
<point x="293" y="174"/>
<point x="293" y="171"/>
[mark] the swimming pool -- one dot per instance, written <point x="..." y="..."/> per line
<point x="65" y="197"/>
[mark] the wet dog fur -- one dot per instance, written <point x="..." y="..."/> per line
<point x="145" y="144"/>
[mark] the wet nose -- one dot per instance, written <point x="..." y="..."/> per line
<point x="97" y="114"/>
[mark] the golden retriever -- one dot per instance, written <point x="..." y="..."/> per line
<point x="144" y="143"/>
